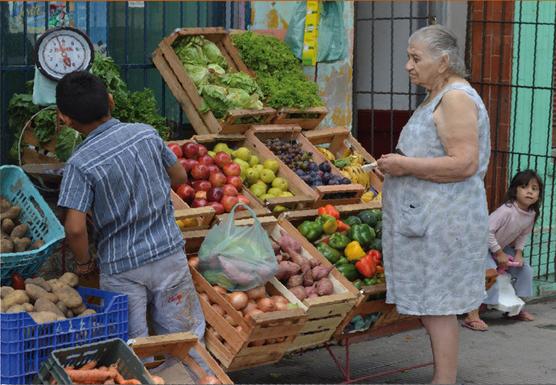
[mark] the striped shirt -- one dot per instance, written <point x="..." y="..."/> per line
<point x="119" y="173"/>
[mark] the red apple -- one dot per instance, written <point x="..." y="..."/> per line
<point x="213" y="169"/>
<point x="185" y="192"/>
<point x="176" y="149"/>
<point x="200" y="195"/>
<point x="221" y="158"/>
<point x="244" y="199"/>
<point x="217" y="179"/>
<point x="190" y="150"/>
<point x="199" y="203"/>
<point x="215" y="194"/>
<point x="234" y="181"/>
<point x="229" y="190"/>
<point x="218" y="207"/>
<point x="188" y="164"/>
<point x="200" y="171"/>
<point x="206" y="160"/>
<point x="229" y="202"/>
<point x="201" y="185"/>
<point x="231" y="169"/>
<point x="202" y="150"/>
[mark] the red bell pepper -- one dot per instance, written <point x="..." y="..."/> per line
<point x="366" y="266"/>
<point x="342" y="226"/>
<point x="375" y="255"/>
<point x="329" y="210"/>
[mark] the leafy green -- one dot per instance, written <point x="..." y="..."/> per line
<point x="243" y="81"/>
<point x="238" y="98"/>
<point x="45" y="125"/>
<point x="66" y="142"/>
<point x="290" y="91"/>
<point x="215" y="100"/>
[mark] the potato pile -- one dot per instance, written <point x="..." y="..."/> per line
<point x="46" y="301"/>
<point x="14" y="237"/>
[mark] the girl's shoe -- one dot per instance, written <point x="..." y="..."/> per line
<point x="476" y="324"/>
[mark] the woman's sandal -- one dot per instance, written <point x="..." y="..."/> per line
<point x="523" y="315"/>
<point x="477" y="325"/>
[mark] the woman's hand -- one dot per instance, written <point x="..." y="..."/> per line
<point x="392" y="164"/>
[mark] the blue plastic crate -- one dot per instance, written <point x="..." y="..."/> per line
<point x="25" y="345"/>
<point x="43" y="224"/>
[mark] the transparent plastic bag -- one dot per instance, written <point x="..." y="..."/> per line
<point x="237" y="258"/>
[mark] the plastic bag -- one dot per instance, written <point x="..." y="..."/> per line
<point x="237" y="257"/>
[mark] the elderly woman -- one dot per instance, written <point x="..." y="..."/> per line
<point x="435" y="225"/>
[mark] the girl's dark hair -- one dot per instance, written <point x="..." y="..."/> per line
<point x="522" y="178"/>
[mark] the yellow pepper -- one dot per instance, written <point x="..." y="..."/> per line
<point x="368" y="196"/>
<point x="354" y="251"/>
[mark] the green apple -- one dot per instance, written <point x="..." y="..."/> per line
<point x="242" y="153"/>
<point x="267" y="176"/>
<point x="243" y="164"/>
<point x="280" y="183"/>
<point x="254" y="160"/>
<point x="258" y="189"/>
<point x="271" y="164"/>
<point x="285" y="194"/>
<point x="279" y="209"/>
<point x="221" y="147"/>
<point x="274" y="191"/>
<point x="259" y="168"/>
<point x="211" y="154"/>
<point x="252" y="175"/>
<point x="266" y="197"/>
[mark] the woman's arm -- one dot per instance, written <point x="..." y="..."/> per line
<point x="456" y="122"/>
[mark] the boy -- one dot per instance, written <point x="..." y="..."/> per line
<point x="122" y="173"/>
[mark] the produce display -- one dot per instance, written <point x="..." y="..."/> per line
<point x="45" y="301"/>
<point x="352" y="244"/>
<point x="305" y="278"/>
<point x="279" y="73"/>
<point x="220" y="89"/>
<point x="15" y="234"/>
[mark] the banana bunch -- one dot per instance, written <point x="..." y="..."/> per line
<point x="357" y="175"/>
<point x="327" y="153"/>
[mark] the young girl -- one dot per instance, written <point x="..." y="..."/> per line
<point x="510" y="226"/>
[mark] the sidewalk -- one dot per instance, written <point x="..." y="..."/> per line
<point x="510" y="352"/>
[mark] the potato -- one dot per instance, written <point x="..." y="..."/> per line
<point x="35" y="292"/>
<point x="5" y="205"/>
<point x="6" y="246"/>
<point x="5" y="290"/>
<point x="43" y="304"/>
<point x="28" y="307"/>
<point x="17" y="297"/>
<point x="69" y="314"/>
<point x="39" y="281"/>
<point x="63" y="308"/>
<point x="87" y="312"/>
<point x="12" y="213"/>
<point x="8" y="225"/>
<point x="16" y="309"/>
<point x="79" y="309"/>
<point x="21" y="244"/>
<point x="19" y="231"/>
<point x="70" y="278"/>
<point x="69" y="296"/>
<point x="56" y="284"/>
<point x="41" y="317"/>
<point x="37" y="244"/>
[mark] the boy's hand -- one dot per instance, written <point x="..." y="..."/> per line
<point x="502" y="259"/>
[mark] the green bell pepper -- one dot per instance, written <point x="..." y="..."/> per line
<point x="328" y="223"/>
<point x="328" y="252"/>
<point x="338" y="241"/>
<point x="341" y="261"/>
<point x="370" y="281"/>
<point x="376" y="244"/>
<point x="349" y="271"/>
<point x="352" y="220"/>
<point x="364" y="234"/>
<point x="358" y="284"/>
<point x="369" y="217"/>
<point x="310" y="230"/>
<point x="378" y="228"/>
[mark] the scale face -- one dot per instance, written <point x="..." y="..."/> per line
<point x="60" y="51"/>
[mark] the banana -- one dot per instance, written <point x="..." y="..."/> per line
<point x="327" y="153"/>
<point x="357" y="175"/>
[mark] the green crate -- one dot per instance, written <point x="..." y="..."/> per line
<point x="105" y="353"/>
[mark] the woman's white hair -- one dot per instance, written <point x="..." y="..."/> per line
<point x="441" y="41"/>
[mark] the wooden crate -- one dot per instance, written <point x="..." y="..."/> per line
<point x="179" y="346"/>
<point x="256" y="205"/>
<point x="236" y="349"/>
<point x="307" y="119"/>
<point x="321" y="194"/>
<point x="300" y="200"/>
<point x="203" y="216"/>
<point x="340" y="139"/>
<point x="186" y="93"/>
<point x="366" y="302"/>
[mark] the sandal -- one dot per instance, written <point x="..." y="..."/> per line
<point x="523" y="315"/>
<point x="477" y="325"/>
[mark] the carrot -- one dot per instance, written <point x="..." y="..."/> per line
<point x="131" y="381"/>
<point x="90" y="376"/>
<point x="89" y="365"/>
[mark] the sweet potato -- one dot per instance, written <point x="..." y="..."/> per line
<point x="19" y="231"/>
<point x="320" y="272"/>
<point x="17" y="297"/>
<point x="5" y="290"/>
<point x="41" y="317"/>
<point x="308" y="278"/>
<point x="35" y="292"/>
<point x="12" y="213"/>
<point x="299" y="292"/>
<point x="286" y="269"/>
<point x="39" y="281"/>
<point x="21" y="244"/>
<point x="7" y="225"/>
<point x="70" y="279"/>
<point x="42" y="304"/>
<point x="310" y="290"/>
<point x="6" y="246"/>
<point x="295" y="280"/>
<point x="325" y="287"/>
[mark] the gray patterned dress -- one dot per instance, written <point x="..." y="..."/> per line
<point x="435" y="234"/>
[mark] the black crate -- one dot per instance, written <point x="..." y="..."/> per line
<point x="105" y="353"/>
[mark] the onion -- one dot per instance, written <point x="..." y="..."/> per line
<point x="279" y="298"/>
<point x="232" y="321"/>
<point x="256" y="293"/>
<point x="280" y="306"/>
<point x="250" y="306"/>
<point x="238" y="300"/>
<point x="193" y="262"/>
<point x="209" y="380"/>
<point x="220" y="290"/>
<point x="249" y="316"/>
<point x="217" y="308"/>
<point x="266" y="305"/>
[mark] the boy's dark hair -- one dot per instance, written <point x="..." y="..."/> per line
<point x="522" y="178"/>
<point x="83" y="97"/>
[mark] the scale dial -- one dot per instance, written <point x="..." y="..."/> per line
<point x="60" y="51"/>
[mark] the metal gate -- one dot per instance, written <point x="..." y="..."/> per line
<point x="129" y="31"/>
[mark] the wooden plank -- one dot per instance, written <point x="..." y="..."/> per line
<point x="295" y="116"/>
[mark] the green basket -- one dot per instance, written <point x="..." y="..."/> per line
<point x="105" y="353"/>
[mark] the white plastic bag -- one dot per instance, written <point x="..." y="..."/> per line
<point x="508" y="302"/>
